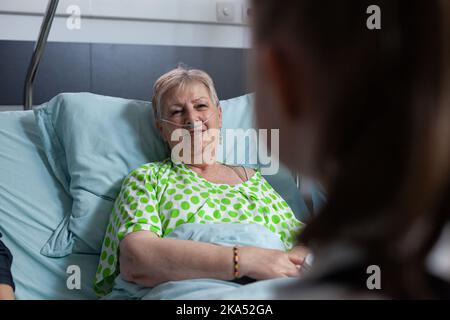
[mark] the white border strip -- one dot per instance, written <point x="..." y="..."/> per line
<point x="199" y="11"/>
<point x="26" y="28"/>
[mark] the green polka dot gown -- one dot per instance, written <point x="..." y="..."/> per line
<point x="161" y="196"/>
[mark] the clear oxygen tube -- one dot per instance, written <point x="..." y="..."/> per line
<point x="198" y="124"/>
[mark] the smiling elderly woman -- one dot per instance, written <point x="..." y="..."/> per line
<point x="158" y="197"/>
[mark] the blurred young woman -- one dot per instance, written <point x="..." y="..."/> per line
<point x="367" y="112"/>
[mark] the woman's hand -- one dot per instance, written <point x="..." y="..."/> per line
<point x="261" y="264"/>
<point x="301" y="252"/>
<point x="6" y="292"/>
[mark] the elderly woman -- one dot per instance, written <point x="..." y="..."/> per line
<point x="158" y="197"/>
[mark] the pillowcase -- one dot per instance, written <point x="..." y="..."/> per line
<point x="92" y="142"/>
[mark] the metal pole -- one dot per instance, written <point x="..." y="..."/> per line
<point x="37" y="53"/>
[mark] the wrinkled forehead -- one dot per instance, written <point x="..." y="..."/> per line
<point x="186" y="93"/>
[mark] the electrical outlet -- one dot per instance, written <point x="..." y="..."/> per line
<point x="225" y="11"/>
<point x="246" y="12"/>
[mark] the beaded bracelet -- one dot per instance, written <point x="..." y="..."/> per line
<point x="236" y="261"/>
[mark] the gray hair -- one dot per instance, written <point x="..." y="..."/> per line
<point x="180" y="77"/>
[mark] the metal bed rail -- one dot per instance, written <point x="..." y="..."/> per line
<point x="38" y="52"/>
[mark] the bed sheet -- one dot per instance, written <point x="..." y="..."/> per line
<point x="32" y="204"/>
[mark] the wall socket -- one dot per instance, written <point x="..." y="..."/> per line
<point x="246" y="12"/>
<point x="226" y="11"/>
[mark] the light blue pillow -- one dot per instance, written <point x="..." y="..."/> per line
<point x="92" y="142"/>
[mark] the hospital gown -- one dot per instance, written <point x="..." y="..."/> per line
<point x="161" y="196"/>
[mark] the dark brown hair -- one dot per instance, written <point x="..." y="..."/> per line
<point x="385" y="128"/>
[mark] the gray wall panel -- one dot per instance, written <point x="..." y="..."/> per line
<point x="14" y="59"/>
<point x="121" y="70"/>
<point x="131" y="70"/>
<point x="64" y="67"/>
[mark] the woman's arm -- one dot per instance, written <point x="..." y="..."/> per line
<point x="148" y="260"/>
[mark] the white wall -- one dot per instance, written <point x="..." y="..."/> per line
<point x="160" y="22"/>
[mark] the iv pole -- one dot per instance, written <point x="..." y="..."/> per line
<point x="38" y="52"/>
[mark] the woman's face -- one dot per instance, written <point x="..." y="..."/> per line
<point x="191" y="104"/>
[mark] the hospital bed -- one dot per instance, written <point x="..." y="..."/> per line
<point x="35" y="204"/>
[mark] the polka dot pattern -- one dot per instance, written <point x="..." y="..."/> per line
<point x="161" y="196"/>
